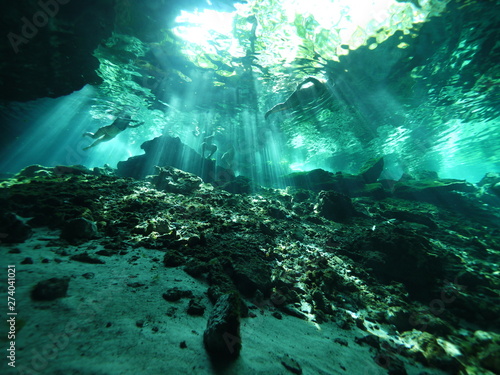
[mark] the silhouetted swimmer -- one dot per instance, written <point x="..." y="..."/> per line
<point x="108" y="132"/>
<point x="306" y="92"/>
<point x="208" y="145"/>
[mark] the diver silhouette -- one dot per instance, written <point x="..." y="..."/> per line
<point x="308" y="91"/>
<point x="108" y="132"/>
<point x="208" y="145"/>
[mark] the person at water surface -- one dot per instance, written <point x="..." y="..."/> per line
<point x="108" y="132"/>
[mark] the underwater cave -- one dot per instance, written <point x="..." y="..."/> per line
<point x="250" y="187"/>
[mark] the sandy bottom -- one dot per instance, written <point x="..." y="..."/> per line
<point x="114" y="321"/>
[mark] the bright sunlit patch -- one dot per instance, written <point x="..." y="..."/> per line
<point x="297" y="167"/>
<point x="212" y="31"/>
<point x="198" y="27"/>
<point x="295" y="28"/>
<point x="298" y="141"/>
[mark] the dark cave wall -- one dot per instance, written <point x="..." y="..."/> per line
<point x="48" y="45"/>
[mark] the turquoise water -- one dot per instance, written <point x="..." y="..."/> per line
<point x="416" y="84"/>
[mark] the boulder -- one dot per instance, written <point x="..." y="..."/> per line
<point x="433" y="191"/>
<point x="167" y="151"/>
<point x="319" y="179"/>
<point x="51" y="289"/>
<point x="173" y="180"/>
<point x="334" y="206"/>
<point x="222" y="337"/>
<point x="372" y="169"/>
<point x="13" y="229"/>
<point x="397" y="254"/>
<point x="79" y="229"/>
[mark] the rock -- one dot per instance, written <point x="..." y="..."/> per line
<point x="334" y="206"/>
<point x="375" y="190"/>
<point x="406" y="177"/>
<point x="51" y="289"/>
<point x="175" y="294"/>
<point x="79" y="229"/>
<point x="13" y="229"/>
<point x="250" y="275"/>
<point x="105" y="170"/>
<point x="398" y="254"/>
<point x="173" y="180"/>
<point x="277" y="315"/>
<point x="426" y="175"/>
<point x="291" y="364"/>
<point x="299" y="195"/>
<point x="432" y="191"/>
<point x="86" y="258"/>
<point x="491" y="183"/>
<point x="341" y="341"/>
<point x="178" y="156"/>
<point x="32" y="171"/>
<point x="222" y="338"/>
<point x="68" y="170"/>
<point x="238" y="185"/>
<point x="27" y="260"/>
<point x="495" y="189"/>
<point x="432" y="351"/>
<point x="489" y="179"/>
<point x="413" y="217"/>
<point x="173" y="258"/>
<point x="372" y="169"/>
<point x="491" y="359"/>
<point x="195" y="308"/>
<point x="393" y="364"/>
<point x="318" y="179"/>
<point x="292" y="311"/>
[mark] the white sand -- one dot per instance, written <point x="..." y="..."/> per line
<point x="84" y="345"/>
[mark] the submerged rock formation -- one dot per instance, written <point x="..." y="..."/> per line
<point x="413" y="265"/>
<point x="222" y="337"/>
<point x="167" y="151"/>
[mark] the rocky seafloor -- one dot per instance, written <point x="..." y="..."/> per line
<point x="409" y="267"/>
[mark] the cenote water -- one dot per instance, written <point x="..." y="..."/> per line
<point x="250" y="187"/>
